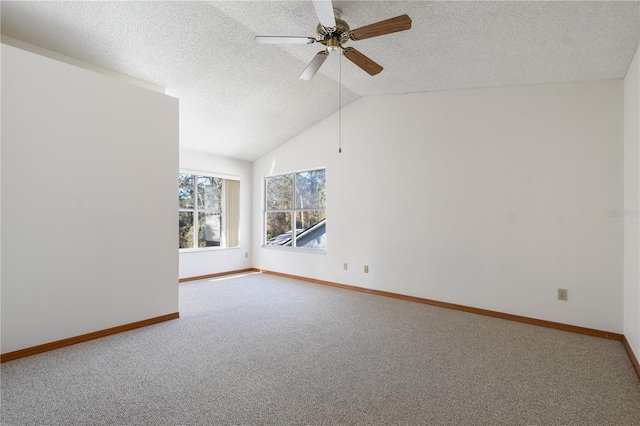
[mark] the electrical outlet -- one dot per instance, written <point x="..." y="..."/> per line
<point x="366" y="269"/>
<point x="344" y="266"/>
<point x="246" y="255"/>
<point x="562" y="294"/>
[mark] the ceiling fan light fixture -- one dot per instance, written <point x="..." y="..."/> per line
<point x="333" y="44"/>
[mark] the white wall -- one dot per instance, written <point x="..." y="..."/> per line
<point x="492" y="198"/>
<point x="89" y="214"/>
<point x="631" y="205"/>
<point x="215" y="260"/>
<point x="80" y="64"/>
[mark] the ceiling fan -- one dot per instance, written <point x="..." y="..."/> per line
<point x="334" y="32"/>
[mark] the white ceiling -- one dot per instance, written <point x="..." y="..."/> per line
<point x="241" y="99"/>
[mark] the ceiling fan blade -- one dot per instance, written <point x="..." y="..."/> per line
<point x="362" y="61"/>
<point x="324" y="10"/>
<point x="314" y="65"/>
<point x="393" y="25"/>
<point x="284" y="40"/>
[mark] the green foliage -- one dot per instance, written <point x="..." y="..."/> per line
<point x="310" y="190"/>
<point x="279" y="192"/>
<point x="185" y="191"/>
<point x="278" y="223"/>
<point x="309" y="218"/>
<point x="185" y="229"/>
<point x="203" y="193"/>
<point x="302" y="193"/>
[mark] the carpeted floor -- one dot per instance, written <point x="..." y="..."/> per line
<point x="263" y="350"/>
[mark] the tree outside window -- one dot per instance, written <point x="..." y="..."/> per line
<point x="208" y="211"/>
<point x="295" y="210"/>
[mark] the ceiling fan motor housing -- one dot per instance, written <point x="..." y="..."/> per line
<point x="333" y="37"/>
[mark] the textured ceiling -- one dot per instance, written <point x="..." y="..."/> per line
<point x="241" y="99"/>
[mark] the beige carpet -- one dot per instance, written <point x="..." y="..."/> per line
<point x="264" y="350"/>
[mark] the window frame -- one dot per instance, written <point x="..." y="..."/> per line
<point x="292" y="211"/>
<point x="197" y="211"/>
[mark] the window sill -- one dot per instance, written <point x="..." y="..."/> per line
<point x="204" y="249"/>
<point x="293" y="249"/>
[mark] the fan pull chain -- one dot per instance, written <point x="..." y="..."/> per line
<point x="340" y="106"/>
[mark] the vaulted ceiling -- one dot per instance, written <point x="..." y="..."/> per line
<point x="241" y="99"/>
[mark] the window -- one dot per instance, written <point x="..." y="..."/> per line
<point x="295" y="214"/>
<point x="208" y="211"/>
